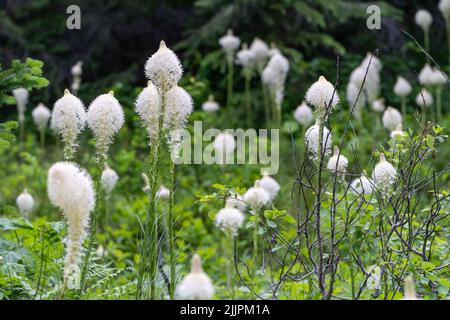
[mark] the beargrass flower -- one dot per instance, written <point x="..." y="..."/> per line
<point x="423" y="19"/>
<point x="260" y="52"/>
<point x="41" y="114"/>
<point x="68" y="120"/>
<point x="229" y="42"/>
<point x="391" y="118"/>
<point x="229" y="220"/>
<point x="384" y="174"/>
<point x="270" y="185"/>
<point x="426" y="75"/>
<point x="245" y="57"/>
<point x="148" y="107"/>
<point x="338" y="163"/>
<point x="378" y="105"/>
<point x="163" y="68"/>
<point x="224" y="146"/>
<point x="105" y="117"/>
<point x="257" y="197"/>
<point x="25" y="203"/>
<point x="210" y="105"/>
<point x="109" y="179"/>
<point x="196" y="285"/>
<point x="424" y="99"/>
<point x="235" y="200"/>
<point x="312" y="140"/>
<point x="402" y="87"/>
<point x="321" y="94"/>
<point x="71" y="190"/>
<point x="163" y="193"/>
<point x="303" y="114"/>
<point x="21" y="96"/>
<point x="362" y="185"/>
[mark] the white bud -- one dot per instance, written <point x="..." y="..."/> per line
<point x="109" y="179"/>
<point x="270" y="185"/>
<point x="378" y="105"/>
<point x="229" y="42"/>
<point x="257" y="197"/>
<point x="312" y="140"/>
<point x="444" y="7"/>
<point x="41" y="114"/>
<point x="210" y="105"/>
<point x="424" y="99"/>
<point x="163" y="193"/>
<point x="402" y="88"/>
<point x="338" y="163"/>
<point x="423" y="19"/>
<point x="384" y="174"/>
<point x="245" y="57"/>
<point x="426" y="75"/>
<point x="224" y="146"/>
<point x="229" y="220"/>
<point x="362" y="185"/>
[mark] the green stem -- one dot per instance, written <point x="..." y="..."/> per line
<point x="230" y="80"/>
<point x="255" y="238"/>
<point x="93" y="223"/>
<point x="427" y="43"/>
<point x="248" y="100"/>
<point x="403" y="102"/>
<point x="266" y="103"/>
<point x="439" y="103"/>
<point x="230" y="280"/>
<point x="447" y="24"/>
<point x="171" y="233"/>
<point x="42" y="137"/>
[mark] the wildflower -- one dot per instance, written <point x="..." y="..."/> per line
<point x="41" y="114"/>
<point x="236" y="200"/>
<point x="260" y="52"/>
<point x="148" y="107"/>
<point x="410" y="290"/>
<point x="438" y="78"/>
<point x="229" y="42"/>
<point x="179" y="106"/>
<point x="391" y="118"/>
<point x="21" y="96"/>
<point x="374" y="62"/>
<point x="444" y="7"/>
<point x="338" y="163"/>
<point x="274" y="76"/>
<point x="163" y="193"/>
<point x="424" y="99"/>
<point x="303" y="114"/>
<point x="229" y="220"/>
<point x="196" y="285"/>
<point x="245" y="57"/>
<point x="402" y="88"/>
<point x="224" y="145"/>
<point x="105" y="118"/>
<point x="426" y="75"/>
<point x="378" y="105"/>
<point x="210" y="105"/>
<point x="71" y="190"/>
<point x="68" y="120"/>
<point x="109" y="179"/>
<point x="423" y="19"/>
<point x="163" y="68"/>
<point x="270" y="185"/>
<point x="354" y="98"/>
<point x="312" y="140"/>
<point x="257" y="197"/>
<point x="398" y="132"/>
<point x="357" y="76"/>
<point x="384" y="173"/>
<point x="77" y="71"/>
<point x="321" y="94"/>
<point x="362" y="185"/>
<point x="25" y="203"/>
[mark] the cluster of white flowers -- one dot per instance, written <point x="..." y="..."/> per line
<point x="303" y="114"/>
<point x="384" y="174"/>
<point x="77" y="71"/>
<point x="21" y="96"/>
<point x="270" y="185"/>
<point x="338" y="163"/>
<point x="364" y="78"/>
<point x="68" y="120"/>
<point x="237" y="201"/>
<point x="410" y="290"/>
<point x="163" y="193"/>
<point x="41" y="114"/>
<point x="261" y="53"/>
<point x="402" y="87"/>
<point x="229" y="43"/>
<point x="312" y="140"/>
<point x="444" y="7"/>
<point x="362" y="185"/>
<point x="224" y="146"/>
<point x="423" y="19"/>
<point x="274" y="76"/>
<point x="426" y="75"/>
<point x="391" y="118"/>
<point x="378" y="105"/>
<point x="229" y="220"/>
<point x="109" y="179"/>
<point x="71" y="190"/>
<point x="148" y="105"/>
<point x="322" y="95"/>
<point x="257" y="197"/>
<point x="163" y="68"/>
<point x="196" y="285"/>
<point x="105" y="117"/>
<point x="438" y="78"/>
<point x="424" y="99"/>
<point x="245" y="57"/>
<point x="25" y="203"/>
<point x="210" y="105"/>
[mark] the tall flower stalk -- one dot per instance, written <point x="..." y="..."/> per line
<point x="246" y="58"/>
<point x="229" y="44"/>
<point x="105" y="117"/>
